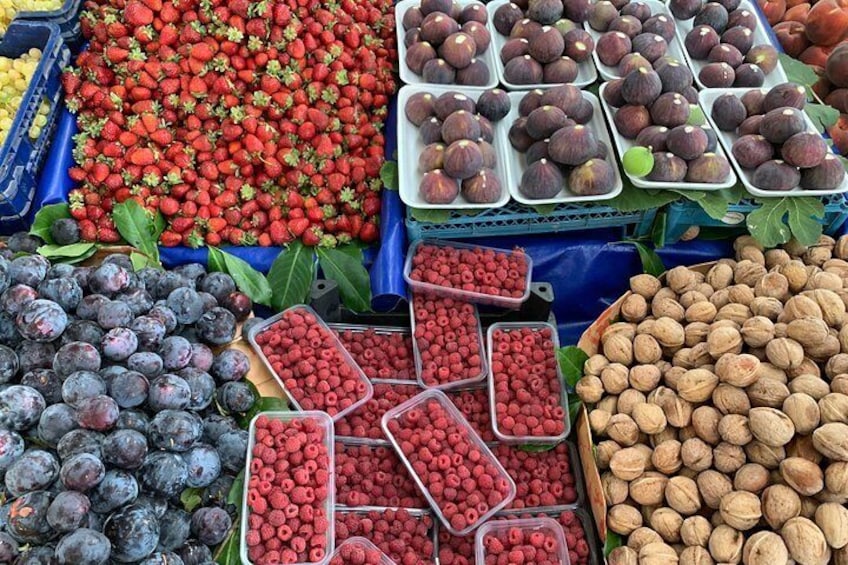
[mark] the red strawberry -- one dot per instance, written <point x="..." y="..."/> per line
<point x="137" y="14"/>
<point x="298" y="226"/>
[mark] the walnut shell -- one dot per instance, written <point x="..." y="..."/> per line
<point x="720" y="298"/>
<point x="705" y="421"/>
<point x="615" y="490"/>
<point x="749" y="273"/>
<point x="737" y="370"/>
<point x="645" y="378"/>
<point x="623" y="519"/>
<point x="695" y="555"/>
<point x="696" y="530"/>
<point x="772" y="285"/>
<point x="608" y="403"/>
<point x="681" y="494"/>
<point x="720" y="276"/>
<point x="666" y="522"/>
<point x="805" y="541"/>
<point x="800" y="306"/>
<point x="832" y="520"/>
<point x="658" y="554"/>
<point x="697" y="385"/>
<point x="650" y="418"/>
<point x="679" y="279"/>
<point x="598" y="420"/>
<point x="695" y="333"/>
<point x="831" y="440"/>
<point x="649" y="489"/>
<point x="727" y="457"/>
<point x="765" y="548"/>
<point x="618" y="348"/>
<point x="769" y="371"/>
<point x="826" y="281"/>
<point x="622" y="429"/>
<point x="796" y="275"/>
<point x="839" y="383"/>
<point x="691" y="297"/>
<point x="836" y="365"/>
<point x="590" y="389"/>
<point x="767" y="392"/>
<point x="750" y="252"/>
<point x="740" y="509"/>
<point x="645" y="285"/>
<point x="776" y="258"/>
<point x="766" y="455"/>
<point x="741" y="294"/>
<point x="625" y="329"/>
<point x="784" y="353"/>
<point x="834" y="408"/>
<point x="779" y="504"/>
<point x="757" y="331"/>
<point x="701" y="312"/>
<point x="803" y="410"/>
<point x="696" y="454"/>
<point x="733" y="312"/>
<point x="807" y="331"/>
<point x="634" y="308"/>
<point x="802" y="446"/>
<point x="836" y="477"/>
<point x="733" y="428"/>
<point x="713" y="486"/>
<point x="724" y="340"/>
<point x="642" y="537"/>
<point x="666" y="457"/>
<point x="628" y="400"/>
<point x="810" y="385"/>
<point x="668" y="332"/>
<point x="604" y="452"/>
<point x="770" y="426"/>
<point x="595" y="364"/>
<point x="646" y="349"/>
<point x="615" y="378"/>
<point x="627" y="464"/>
<point x="751" y="477"/>
<point x="623" y="555"/>
<point x="726" y="544"/>
<point x="731" y="400"/>
<point x="832" y="307"/>
<point x="766" y="307"/>
<point x="804" y="476"/>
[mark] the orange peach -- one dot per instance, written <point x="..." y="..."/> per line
<point x="773" y="10"/>
<point x="815" y="56"/>
<point x="827" y="22"/>
<point x="839" y="134"/>
<point x="792" y="38"/>
<point x="797" y="13"/>
<point x="838" y="99"/>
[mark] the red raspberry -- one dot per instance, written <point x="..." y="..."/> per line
<point x="542" y="478"/>
<point x="474" y="405"/>
<point x="401" y="536"/>
<point x="365" y="421"/>
<point x="383" y="355"/>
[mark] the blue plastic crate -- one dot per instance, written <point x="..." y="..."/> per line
<point x="683" y="214"/>
<point x="21" y="158"/>
<point x="517" y="219"/>
<point x="67" y="18"/>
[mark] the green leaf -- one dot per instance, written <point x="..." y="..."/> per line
<point x="613" y="541"/>
<point x="248" y="280"/>
<point x="291" y="275"/>
<point x="229" y="552"/>
<point x="798" y="72"/>
<point x="137" y="226"/>
<point x="430" y="216"/>
<point x="389" y="175"/>
<point x="768" y="223"/>
<point x="264" y="404"/>
<point x="191" y="498"/>
<point x="802" y="214"/>
<point x="236" y="493"/>
<point x="139" y="260"/>
<point x="634" y="199"/>
<point x="715" y="202"/>
<point x="574" y="404"/>
<point x="823" y="116"/>
<point x="536" y="448"/>
<point x="45" y="217"/>
<point x="73" y="253"/>
<point x="658" y="230"/>
<point x="651" y="262"/>
<point x="544" y="209"/>
<point x="353" y="250"/>
<point x="351" y="276"/>
<point x="571" y="360"/>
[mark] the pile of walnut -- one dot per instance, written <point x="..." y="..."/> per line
<point x="720" y="410"/>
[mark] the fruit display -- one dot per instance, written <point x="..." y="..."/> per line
<point x="542" y="42"/>
<point x="364" y="421"/>
<point x="359" y="551"/>
<point x="242" y="124"/>
<point x="658" y="136"/>
<point x="543" y="479"/>
<point x="15" y="77"/>
<point x="372" y="475"/>
<point x="474" y="405"/>
<point x="405" y="536"/>
<point x="381" y="353"/>
<point x="717" y="400"/>
<point x="630" y="35"/>
<point x="117" y="396"/>
<point x="310" y="363"/>
<point x="457" y="159"/>
<point x="561" y="148"/>
<point x="538" y="540"/>
<point x="773" y="144"/>
<point x="445" y="42"/>
<point x="726" y="44"/>
<point x="290" y="484"/>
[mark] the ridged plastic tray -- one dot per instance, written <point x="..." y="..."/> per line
<point x="67" y="17"/>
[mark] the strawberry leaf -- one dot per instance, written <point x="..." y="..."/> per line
<point x="137" y="226"/>
<point x="291" y="276"/>
<point x="351" y="276"/>
<point x="247" y="279"/>
<point x="45" y="217"/>
<point x="571" y="360"/>
<point x="73" y="253"/>
<point x="389" y="175"/>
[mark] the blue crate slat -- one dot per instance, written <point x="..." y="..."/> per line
<point x="21" y="158"/>
<point x="516" y="219"/>
<point x="66" y="17"/>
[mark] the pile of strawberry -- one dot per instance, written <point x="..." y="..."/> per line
<point x="243" y="122"/>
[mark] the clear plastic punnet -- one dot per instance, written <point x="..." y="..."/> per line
<point x="499" y="530"/>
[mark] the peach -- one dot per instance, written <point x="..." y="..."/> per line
<point x="836" y="67"/>
<point x="827" y="22"/>
<point x="792" y="38"/>
<point x="822" y="89"/>
<point x="793" y="3"/>
<point x="815" y="56"/>
<point x="797" y="13"/>
<point x="838" y="99"/>
<point x="839" y="134"/>
<point x="773" y="10"/>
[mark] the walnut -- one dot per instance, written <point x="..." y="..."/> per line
<point x="767" y="392"/>
<point x="705" y="421"/>
<point x="839" y="384"/>
<point x="727" y="457"/>
<point x="720" y="298"/>
<point x="615" y="378"/>
<point x="646" y="349"/>
<point x="784" y="353"/>
<point x="736" y="313"/>
<point x="634" y="308"/>
<point x="751" y="477"/>
<point x="642" y="537"/>
<point x="805" y="541"/>
<point x="800" y="306"/>
<point x="666" y="457"/>
<point x="695" y="530"/>
<point x="627" y="464"/>
<point x="701" y="312"/>
<point x="827" y="281"/>
<point x="779" y="504"/>
<point x="740" y="509"/>
<point x="668" y="332"/>
<point x="672" y="376"/>
<point x="658" y="554"/>
<point x="740" y="294"/>
<point x="623" y="519"/>
<point x="767" y="307"/>
<point x="817" y="256"/>
<point x="802" y="409"/>
<point x="834" y="408"/>
<point x="679" y="279"/>
<point x="713" y="486"/>
<point x="622" y="429"/>
<point x="666" y="522"/>
<point x="731" y="400"/>
<point x="733" y="428"/>
<point x="724" y="340"/>
<point x="590" y="389"/>
<point x="696" y="454"/>
<point x="766" y="455"/>
<point x="691" y="297"/>
<point x="802" y="446"/>
<point x="780" y="329"/>
<point x="726" y="544"/>
<point x="764" y="548"/>
<point x="831" y="440"/>
<point x="604" y="452"/>
<point x="628" y="400"/>
<point x="678" y="412"/>
<point x="751" y="253"/>
<point x="807" y="331"/>
<point x="594" y="365"/>
<point x="681" y="493"/>
<point x="615" y="489"/>
<point x="608" y="403"/>
<point x="738" y="370"/>
<point x="700" y="356"/>
<point x="832" y="307"/>
<point x="796" y="275"/>
<point x="695" y="333"/>
<point x="771" y="426"/>
<point x="769" y="371"/>
<point x="841" y="247"/>
<point x="757" y="331"/>
<point x="650" y="418"/>
<point x="649" y="489"/>
<point x="772" y="285"/>
<point x="695" y="555"/>
<point x="623" y="555"/>
<point x="618" y="348"/>
<point x="836" y="477"/>
<point x="808" y="507"/>
<point x="804" y="476"/>
<point x="749" y="273"/>
<point x="697" y="385"/>
<point x="720" y="276"/>
<point x="836" y="365"/>
<point x="776" y="258"/>
<point x="645" y="285"/>
<point x="598" y="420"/>
<point x="625" y="329"/>
<point x="645" y="378"/>
<point x="811" y="385"/>
<point x="667" y="307"/>
<point x="832" y="520"/>
<point x="825" y="349"/>
<point x="667" y="434"/>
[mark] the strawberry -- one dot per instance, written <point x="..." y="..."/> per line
<point x="312" y="237"/>
<point x="137" y="14"/>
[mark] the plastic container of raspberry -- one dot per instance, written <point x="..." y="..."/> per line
<point x="414" y="512"/>
<point x="454" y="385"/>
<point x="525" y="439"/>
<point x="259" y="328"/>
<point x="472" y="437"/>
<point x="593" y="558"/>
<point x="379" y="330"/>
<point x="364" y="545"/>
<point x="576" y="472"/>
<point x="326" y="424"/>
<point x="547" y="526"/>
<point x="466" y="295"/>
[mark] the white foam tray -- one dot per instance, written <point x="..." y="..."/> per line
<point x="517" y="164"/>
<point x="406" y="74"/>
<point x="675" y="46"/>
<point x="411" y="146"/>
<point x="586" y="71"/>
<point x="761" y="37"/>
<point x="622" y="144"/>
<point x="708" y="97"/>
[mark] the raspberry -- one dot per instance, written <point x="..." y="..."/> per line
<point x="474" y="405"/>
<point x="401" y="536"/>
<point x="544" y="475"/>
<point x="364" y="422"/>
<point x="374" y="476"/>
<point x="381" y="355"/>
<point x="516" y="541"/>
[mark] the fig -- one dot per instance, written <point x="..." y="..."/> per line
<point x="670" y="109"/>
<point x="780" y="124"/>
<point x="601" y="14"/>
<point x="475" y="74"/>
<point x="430" y="6"/>
<point x="725" y="53"/>
<point x="505" y="17"/>
<point x="804" y="150"/>
<point x="699" y="42"/>
<point x="419" y="107"/>
<point x="562" y="71"/>
<point x="518" y="136"/>
<point x="751" y="125"/>
<point x="641" y="87"/>
<point x="455" y="11"/>
<point x="463" y="159"/>
<point x="712" y="139"/>
<point x="687" y="142"/>
<point x="776" y="175"/>
<point x="612" y="46"/>
<point x="631" y="62"/>
<point x="438" y="188"/>
<point x="480" y="35"/>
<point x="541" y="180"/>
<point x="660" y="25"/>
<point x="764" y="56"/>
<point x="452" y="101"/>
<point x="690" y="93"/>
<point x="572" y="145"/>
<point x="494" y="104"/>
<point x="685" y="9"/>
<point x="836" y="68"/>
<point x="783" y="95"/>
<point x="708" y="168"/>
<point x="577" y="10"/>
<point x="523" y="70"/>
<point x="437" y="71"/>
<point x="728" y="112"/>
<point x="579" y="45"/>
<point x="537" y="151"/>
<point x="412" y="37"/>
<point x="487" y="130"/>
<point x="548" y="45"/>
<point x="432" y="157"/>
<point x="752" y="150"/>
<point x="565" y="25"/>
<point x="650" y="45"/>
<point x="565" y="97"/>
<point x="530" y="102"/>
<point x="431" y="130"/>
<point x="653" y="137"/>
<point x="475" y="12"/>
<point x="674" y="77"/>
<point x="749" y="76"/>
<point x="740" y="37"/>
<point x="544" y="121"/>
<point x="667" y="168"/>
<point x="412" y="18"/>
<point x="714" y="15"/>
<point x="827" y="175"/>
<point x="628" y="25"/>
<point x="730" y="5"/>
<point x="583" y="112"/>
<point x="638" y="10"/>
<point x="514" y="48"/>
<point x="460" y="125"/>
<point x="545" y="12"/>
<point x="419" y="55"/>
<point x="490" y="156"/>
<point x="612" y="93"/>
<point x="601" y="151"/>
<point x="482" y="188"/>
<point x="436" y="27"/>
<point x="458" y="49"/>
<point x="753" y="102"/>
<point x="744" y="18"/>
<point x="526" y="28"/>
<point x="717" y="75"/>
<point x="629" y="120"/>
<point x="592" y="178"/>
